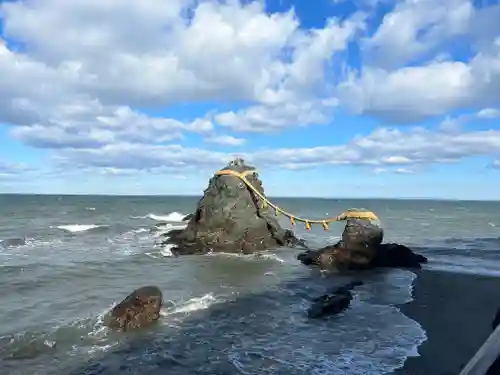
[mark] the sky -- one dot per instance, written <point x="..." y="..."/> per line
<point x="325" y="98"/>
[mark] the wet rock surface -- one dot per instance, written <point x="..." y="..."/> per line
<point x="231" y="218"/>
<point x="334" y="302"/>
<point x="361" y="248"/>
<point x="138" y="309"/>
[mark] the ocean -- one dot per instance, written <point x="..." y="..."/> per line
<point x="65" y="260"/>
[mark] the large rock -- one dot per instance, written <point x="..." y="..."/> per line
<point x="361" y="248"/>
<point x="231" y="218"/>
<point x="140" y="308"/>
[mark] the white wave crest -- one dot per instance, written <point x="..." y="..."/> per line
<point x="165" y="229"/>
<point x="166" y="251"/>
<point x="193" y="304"/>
<point x="254" y="256"/>
<point x="175" y="217"/>
<point x="73" y="228"/>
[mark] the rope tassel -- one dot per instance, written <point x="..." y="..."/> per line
<point x="325" y="225"/>
<point x="308" y="226"/>
<point x="292" y="220"/>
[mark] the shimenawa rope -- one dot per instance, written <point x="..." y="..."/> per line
<point x="349" y="214"/>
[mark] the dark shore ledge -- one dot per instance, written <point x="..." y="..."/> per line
<point x="456" y="311"/>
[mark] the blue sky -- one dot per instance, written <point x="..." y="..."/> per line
<point x="368" y="98"/>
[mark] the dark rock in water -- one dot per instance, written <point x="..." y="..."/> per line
<point x="361" y="248"/>
<point x="10" y="242"/>
<point x="139" y="309"/>
<point x="187" y="217"/>
<point x="231" y="218"/>
<point x="335" y="302"/>
<point x="396" y="255"/>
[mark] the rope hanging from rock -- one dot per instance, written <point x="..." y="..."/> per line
<point x="368" y="215"/>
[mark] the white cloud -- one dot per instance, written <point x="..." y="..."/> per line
<point x="114" y="56"/>
<point x="13" y="168"/>
<point x="391" y="147"/>
<point x="268" y="119"/>
<point x="389" y="89"/>
<point x="385" y="150"/>
<point x="404" y="171"/>
<point x="415" y="28"/>
<point x="94" y="126"/>
<point x="225" y="140"/>
<point x="11" y="171"/>
<point x="489" y="113"/>
<point x="91" y="74"/>
<point x="140" y="157"/>
<point x="411" y="93"/>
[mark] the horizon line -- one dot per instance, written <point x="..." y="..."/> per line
<point x="270" y="196"/>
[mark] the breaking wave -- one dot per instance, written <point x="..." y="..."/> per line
<point x="75" y="228"/>
<point x="171" y="217"/>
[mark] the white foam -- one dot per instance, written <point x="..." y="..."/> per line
<point x="254" y="256"/>
<point x="171" y="217"/>
<point x="164" y="229"/>
<point x="74" y="228"/>
<point x="193" y="304"/>
<point x="166" y="251"/>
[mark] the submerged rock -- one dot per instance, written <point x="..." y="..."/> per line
<point x="230" y="217"/>
<point x="396" y="255"/>
<point x="334" y="302"/>
<point x="140" y="308"/>
<point x="361" y="248"/>
<point x="12" y="242"/>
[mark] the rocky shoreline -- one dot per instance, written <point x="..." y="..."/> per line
<point x="230" y="217"/>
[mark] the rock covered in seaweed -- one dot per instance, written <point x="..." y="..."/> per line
<point x="138" y="309"/>
<point x="231" y="218"/>
<point x="361" y="248"/>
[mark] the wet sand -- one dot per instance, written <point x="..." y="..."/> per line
<point x="456" y="310"/>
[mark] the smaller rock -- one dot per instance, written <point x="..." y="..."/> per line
<point x="334" y="303"/>
<point x="13" y="242"/>
<point x="396" y="255"/>
<point x="140" y="308"/>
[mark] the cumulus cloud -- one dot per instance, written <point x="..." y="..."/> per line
<point x="9" y="171"/>
<point x="227" y="140"/>
<point x="272" y="118"/>
<point x="87" y="79"/>
<point x="416" y="28"/>
<point x="390" y="147"/>
<point x="385" y="149"/>
<point x="394" y="88"/>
